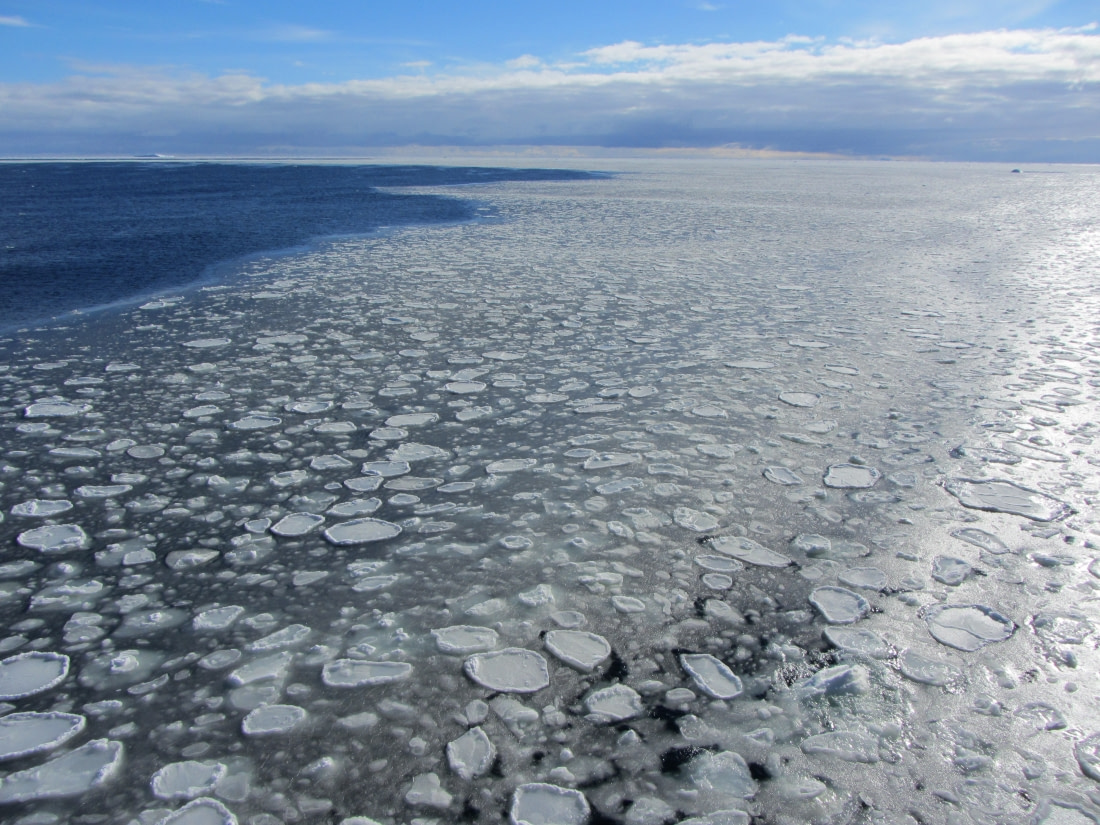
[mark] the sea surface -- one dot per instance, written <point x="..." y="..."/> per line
<point x="700" y="492"/>
<point x="85" y="235"/>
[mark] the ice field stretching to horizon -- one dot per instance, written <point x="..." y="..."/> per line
<point x="710" y="492"/>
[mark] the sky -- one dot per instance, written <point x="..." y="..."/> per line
<point x="993" y="80"/>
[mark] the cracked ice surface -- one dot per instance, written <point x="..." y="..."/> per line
<point x="699" y="494"/>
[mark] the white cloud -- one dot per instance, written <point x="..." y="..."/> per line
<point x="18" y="22"/>
<point x="935" y="92"/>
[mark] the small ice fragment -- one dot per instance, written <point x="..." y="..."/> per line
<point x="627" y="604"/>
<point x="26" y="674"/>
<point x="719" y="564"/>
<point x="465" y="639"/>
<point x="613" y="704"/>
<point x="839" y="680"/>
<point x="361" y="531"/>
<point x="537" y="596"/>
<point x="286" y="637"/>
<point x="747" y="550"/>
<point x="464" y="387"/>
<point x="412" y="451"/>
<point x="724" y="772"/>
<point x="271" y="719"/>
<point x="782" y="476"/>
<point x="42" y="508"/>
<point x="23" y="734"/>
<point x="71" y="774"/>
<point x="297" y="524"/>
<point x="838" y="605"/>
<point x="695" y="520"/>
<point x="604" y="461"/>
<point x="348" y="673"/>
<point x="578" y="649"/>
<point x="711" y="675"/>
<point x="202" y="811"/>
<point x="1087" y="752"/>
<point x="188" y="559"/>
<point x="426" y="791"/>
<point x="472" y="754"/>
<point x="967" y="627"/>
<point x="186" y="780"/>
<point x="538" y="803"/>
<point x="851" y="476"/>
<point x="412" y="419"/>
<point x="511" y="670"/>
<point x="859" y="640"/>
<point x="1007" y="497"/>
<point x="846" y="745"/>
<point x="55" y="538"/>
<point x="329" y="462"/>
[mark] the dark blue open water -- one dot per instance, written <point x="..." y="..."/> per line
<point x="81" y="235"/>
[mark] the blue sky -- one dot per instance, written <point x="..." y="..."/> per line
<point x="968" y="79"/>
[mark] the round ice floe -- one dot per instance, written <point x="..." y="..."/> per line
<point x="72" y="774"/>
<point x="846" y="745"/>
<point x="577" y="648"/>
<point x="472" y="754"/>
<point x="41" y="508"/>
<point x="708" y="411"/>
<point x="348" y="673"/>
<point x="203" y="811"/>
<point x="859" y="640"/>
<point x="54" y="409"/>
<point x="361" y="531"/>
<point x="724" y="772"/>
<point x="1087" y="751"/>
<point x="511" y="670"/>
<point x="695" y="520"/>
<point x="747" y="550"/>
<point x="308" y="407"/>
<point x="866" y="578"/>
<point x="217" y="618"/>
<point x="719" y="564"/>
<point x="950" y="571"/>
<point x="55" y="538"/>
<point x="613" y="704"/>
<point x="711" y="675"/>
<point x="604" y="461"/>
<point x="1006" y="497"/>
<point x="800" y="399"/>
<point x="271" y="719"/>
<point x="851" y="476"/>
<point x="464" y="387"/>
<point x="22" y="734"/>
<point x="412" y="451"/>
<point x="465" y="639"/>
<point x="981" y="539"/>
<point x="26" y="674"/>
<point x="510" y="465"/>
<point x="206" y="343"/>
<point x="838" y="605"/>
<point x="926" y="669"/>
<point x="297" y="524"/>
<point x="538" y="803"/>
<point x="186" y="780"/>
<point x="967" y="626"/>
<point x="256" y="421"/>
<point x="782" y="476"/>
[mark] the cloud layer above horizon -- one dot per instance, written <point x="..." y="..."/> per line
<point x="1025" y="94"/>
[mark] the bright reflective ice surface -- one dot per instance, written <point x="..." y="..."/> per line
<point x="757" y="488"/>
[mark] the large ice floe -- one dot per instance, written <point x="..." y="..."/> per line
<point x="715" y="493"/>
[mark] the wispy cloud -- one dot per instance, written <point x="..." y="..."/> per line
<point x="938" y="96"/>
<point x="17" y="22"/>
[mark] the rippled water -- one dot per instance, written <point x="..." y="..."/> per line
<point x="712" y="492"/>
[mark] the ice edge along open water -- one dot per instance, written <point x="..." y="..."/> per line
<point x="710" y="492"/>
